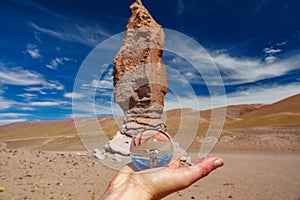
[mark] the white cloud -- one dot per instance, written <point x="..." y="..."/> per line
<point x="33" y="89"/>
<point x="58" y="61"/>
<point x="234" y="70"/>
<point x="37" y="37"/>
<point x="100" y="88"/>
<point x="43" y="92"/>
<point x="91" y="109"/>
<point x="270" y="54"/>
<point x="245" y="70"/>
<point x="46" y="103"/>
<point x="53" y="85"/>
<point x="80" y="115"/>
<point x="27" y="108"/>
<point x="33" y="51"/>
<point x="266" y="94"/>
<point x="281" y="43"/>
<point x="97" y="97"/>
<point x="270" y="59"/>
<point x="19" y="76"/>
<point x="9" y="121"/>
<point x="73" y="95"/>
<point x="5" y="104"/>
<point x="102" y="84"/>
<point x="7" y="118"/>
<point x="27" y="96"/>
<point x="83" y="33"/>
<point x="272" y="51"/>
<point x="50" y="85"/>
<point x="13" y="115"/>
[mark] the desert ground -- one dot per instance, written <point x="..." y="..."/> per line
<point x="260" y="145"/>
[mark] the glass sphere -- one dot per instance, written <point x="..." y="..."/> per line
<point x="151" y="149"/>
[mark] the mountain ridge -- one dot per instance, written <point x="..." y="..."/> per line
<point x="282" y="117"/>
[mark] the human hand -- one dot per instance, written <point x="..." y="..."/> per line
<point x="157" y="183"/>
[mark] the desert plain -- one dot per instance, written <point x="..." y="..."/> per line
<point x="260" y="145"/>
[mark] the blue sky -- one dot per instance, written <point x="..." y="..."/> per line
<point x="255" y="46"/>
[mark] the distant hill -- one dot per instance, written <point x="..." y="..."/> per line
<point x="291" y="105"/>
<point x="280" y="117"/>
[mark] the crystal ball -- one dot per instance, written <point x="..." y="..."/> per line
<point x="151" y="149"/>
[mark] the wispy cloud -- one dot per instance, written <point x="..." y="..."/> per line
<point x="271" y="52"/>
<point x="39" y="7"/>
<point x="270" y="59"/>
<point x="19" y="76"/>
<point x="9" y="121"/>
<point x="83" y="33"/>
<point x="234" y="70"/>
<point x="92" y="108"/>
<point x="266" y="94"/>
<point x="107" y="84"/>
<point x="5" y="103"/>
<point x="27" y="108"/>
<point x="180" y="7"/>
<point x="98" y="98"/>
<point x="6" y="118"/>
<point x="28" y="96"/>
<point x="37" y="37"/>
<point x="58" y="61"/>
<point x="73" y="95"/>
<point x="48" y="103"/>
<point x="34" y="89"/>
<point x="13" y="115"/>
<point x="33" y="51"/>
<point x="248" y="70"/>
<point x="103" y="87"/>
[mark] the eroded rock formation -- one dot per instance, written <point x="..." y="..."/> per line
<point x="141" y="83"/>
<point x="140" y="78"/>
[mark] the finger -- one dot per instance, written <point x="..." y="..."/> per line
<point x="202" y="169"/>
<point x="161" y="137"/>
<point x="140" y="139"/>
<point x="177" y="179"/>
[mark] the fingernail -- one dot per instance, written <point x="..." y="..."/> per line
<point x="218" y="163"/>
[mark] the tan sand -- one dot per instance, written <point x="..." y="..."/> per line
<point x="259" y="143"/>
<point x="34" y="175"/>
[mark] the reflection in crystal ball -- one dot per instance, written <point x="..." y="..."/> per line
<point x="151" y="149"/>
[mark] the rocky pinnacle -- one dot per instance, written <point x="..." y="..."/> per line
<point x="140" y="78"/>
<point x="141" y="82"/>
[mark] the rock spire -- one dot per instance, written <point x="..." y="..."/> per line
<point x="141" y="82"/>
<point x="140" y="78"/>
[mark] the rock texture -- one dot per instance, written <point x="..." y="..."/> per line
<point x="141" y="82"/>
<point x="140" y="78"/>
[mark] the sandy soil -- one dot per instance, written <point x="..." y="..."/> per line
<point x="259" y="143"/>
<point x="28" y="174"/>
